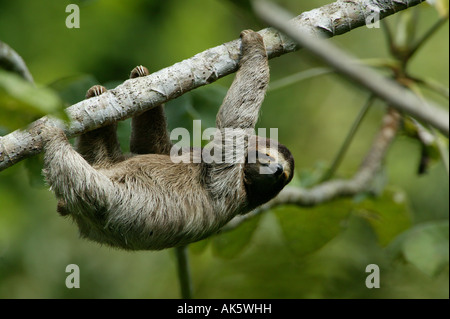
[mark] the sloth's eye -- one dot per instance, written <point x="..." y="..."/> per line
<point x="265" y="159"/>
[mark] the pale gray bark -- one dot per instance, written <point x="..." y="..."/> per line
<point x="139" y="94"/>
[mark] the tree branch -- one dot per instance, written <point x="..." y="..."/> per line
<point x="348" y="139"/>
<point x="136" y="95"/>
<point x="427" y="36"/>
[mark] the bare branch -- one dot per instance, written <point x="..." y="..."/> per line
<point x="443" y="150"/>
<point x="385" y="88"/>
<point x="327" y="191"/>
<point x="427" y="36"/>
<point x="184" y="272"/>
<point x="136" y="95"/>
<point x="348" y="139"/>
<point x="10" y="60"/>
<point x="297" y="77"/>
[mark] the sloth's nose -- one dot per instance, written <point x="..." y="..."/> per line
<point x="278" y="170"/>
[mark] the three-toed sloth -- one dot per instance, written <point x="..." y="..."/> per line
<point x="145" y="200"/>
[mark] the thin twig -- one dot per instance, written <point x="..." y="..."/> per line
<point x="346" y="144"/>
<point x="426" y="36"/>
<point x="297" y="77"/>
<point x="12" y="61"/>
<point x="433" y="86"/>
<point x="184" y="273"/>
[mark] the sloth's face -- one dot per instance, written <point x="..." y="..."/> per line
<point x="269" y="167"/>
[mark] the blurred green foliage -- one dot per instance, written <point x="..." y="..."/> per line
<point x="290" y="252"/>
<point x="22" y="102"/>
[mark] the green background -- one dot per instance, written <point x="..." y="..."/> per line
<point x="289" y="252"/>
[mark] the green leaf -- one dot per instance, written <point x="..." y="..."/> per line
<point x="426" y="246"/>
<point x="306" y="230"/>
<point x="231" y="243"/>
<point x="11" y="120"/>
<point x="389" y="214"/>
<point x="21" y="102"/>
<point x="199" y="246"/>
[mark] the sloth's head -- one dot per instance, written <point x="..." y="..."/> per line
<point x="268" y="168"/>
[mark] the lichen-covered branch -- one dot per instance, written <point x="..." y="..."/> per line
<point x="327" y="191"/>
<point x="144" y="93"/>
